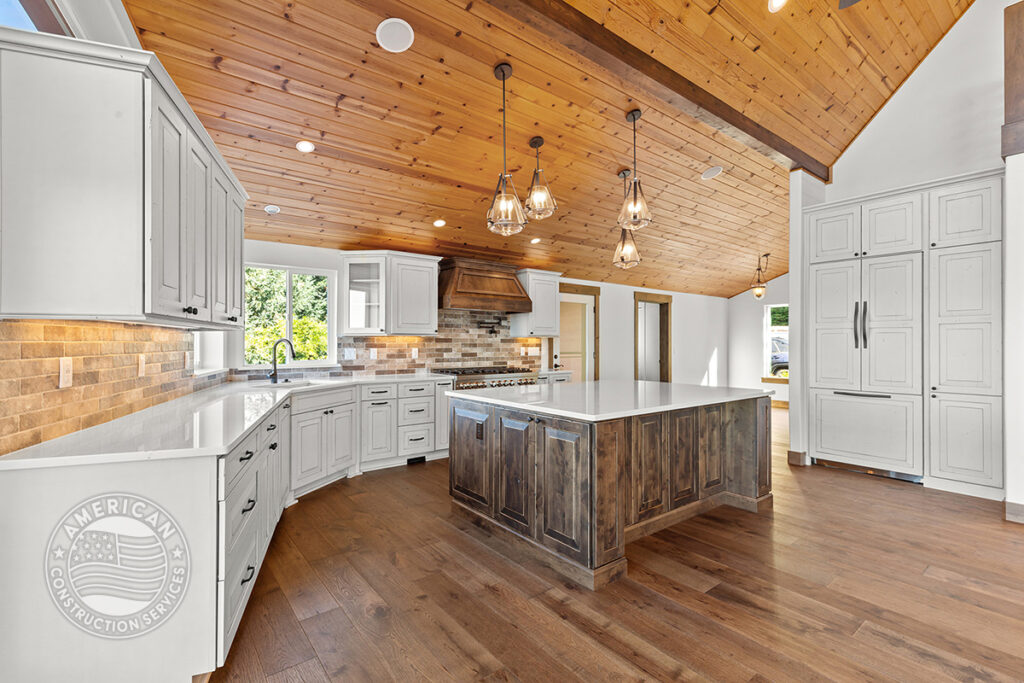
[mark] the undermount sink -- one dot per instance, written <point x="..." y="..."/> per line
<point x="283" y="383"/>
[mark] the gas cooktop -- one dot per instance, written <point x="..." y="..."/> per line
<point x="483" y="370"/>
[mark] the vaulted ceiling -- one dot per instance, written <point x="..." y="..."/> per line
<point x="404" y="139"/>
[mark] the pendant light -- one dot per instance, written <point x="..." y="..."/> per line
<point x="505" y="217"/>
<point x="626" y="254"/>
<point x="635" y="213"/>
<point x="758" y="285"/>
<point x="540" y="203"/>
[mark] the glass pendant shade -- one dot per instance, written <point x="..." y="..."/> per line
<point x="506" y="216"/>
<point x="757" y="285"/>
<point x="635" y="213"/>
<point x="540" y="203"/>
<point x="758" y="291"/>
<point x="626" y="254"/>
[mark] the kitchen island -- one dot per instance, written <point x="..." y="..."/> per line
<point x="568" y="473"/>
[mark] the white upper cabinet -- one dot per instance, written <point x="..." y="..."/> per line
<point x="966" y="213"/>
<point x="116" y="203"/>
<point x="544" y="319"/>
<point x="834" y="357"/>
<point x="892" y="225"/>
<point x="965" y="314"/>
<point x="891" y="324"/>
<point x="386" y="292"/>
<point x="834" y="234"/>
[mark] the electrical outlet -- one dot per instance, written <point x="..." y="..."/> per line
<point x="373" y="354"/>
<point x="415" y="352"/>
<point x="349" y="353"/>
<point x="534" y="351"/>
<point x="142" y="365"/>
<point x="65" y="373"/>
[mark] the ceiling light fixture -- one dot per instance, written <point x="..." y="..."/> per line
<point x="712" y="172"/>
<point x="439" y="223"/>
<point x="305" y="146"/>
<point x="775" y="5"/>
<point x="539" y="201"/>
<point x="635" y="213"/>
<point x="272" y="209"/>
<point x="535" y="240"/>
<point x="758" y="285"/>
<point x="505" y="217"/>
<point x="626" y="254"/>
<point x="395" y="35"/>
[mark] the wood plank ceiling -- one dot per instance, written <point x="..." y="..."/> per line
<point x="403" y="139"/>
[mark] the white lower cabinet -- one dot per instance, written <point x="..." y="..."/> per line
<point x="379" y="424"/>
<point x="441" y="420"/>
<point x="966" y="438"/>
<point x="883" y="431"/>
<point x="342" y="437"/>
<point x="323" y="445"/>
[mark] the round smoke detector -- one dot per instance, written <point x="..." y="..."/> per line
<point x="395" y="35"/>
<point x="272" y="209"/>
<point x="711" y="173"/>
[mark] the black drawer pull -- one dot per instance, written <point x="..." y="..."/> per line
<point x="271" y="428"/>
<point x="287" y="405"/>
<point x="382" y="391"/>
<point x="418" y="438"/>
<point x="379" y="403"/>
<point x="249" y="506"/>
<point x="248" y="456"/>
<point x="233" y="318"/>
<point x="418" y="410"/>
<point x="248" y="577"/>
<point x="416" y="389"/>
<point x="273" y="446"/>
<point x="856" y="394"/>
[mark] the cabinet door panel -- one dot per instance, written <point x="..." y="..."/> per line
<point x="966" y="213"/>
<point x="516" y="441"/>
<point x="682" y="457"/>
<point x="711" y="449"/>
<point x="649" y="467"/>
<point x="891" y="331"/>
<point x="965" y="306"/>
<point x="563" y="488"/>
<point x="413" y="296"/>
<point x="235" y="258"/>
<point x="308" y="449"/>
<point x="470" y="465"/>
<point x="834" y="356"/>
<point x="442" y="419"/>
<point x="966" y="438"/>
<point x="546" y="312"/>
<point x="342" y="437"/>
<point x="379" y="430"/>
<point x="198" y="171"/>
<point x="168" y="239"/>
<point x="364" y="295"/>
<point x="870" y="431"/>
<point x="892" y="225"/>
<point x="220" y="203"/>
<point x="834" y="234"/>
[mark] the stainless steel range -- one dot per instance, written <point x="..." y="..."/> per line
<point x="489" y="376"/>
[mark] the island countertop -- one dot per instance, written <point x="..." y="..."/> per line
<point x="606" y="399"/>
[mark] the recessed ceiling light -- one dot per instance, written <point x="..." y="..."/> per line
<point x="305" y="146"/>
<point x="535" y="240"/>
<point x="395" y="35"/>
<point x="272" y="209"/>
<point x="775" y="5"/>
<point x="711" y="173"/>
<point x="439" y="223"/>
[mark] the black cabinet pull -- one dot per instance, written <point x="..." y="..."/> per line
<point x="271" y="428"/>
<point x="248" y="577"/>
<point x="249" y="506"/>
<point x="856" y="316"/>
<point x="248" y="456"/>
<point x="381" y="391"/>
<point x="419" y="410"/>
<point x="273" y="446"/>
<point x="419" y="438"/>
<point x="379" y="403"/>
<point x="187" y="309"/>
<point x="864" y="324"/>
<point x="287" y="405"/>
<point x="233" y="318"/>
<point x="327" y="412"/>
<point x="860" y="394"/>
<point x="416" y="389"/>
<point x="529" y="419"/>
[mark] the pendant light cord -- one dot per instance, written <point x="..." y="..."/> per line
<point x="634" y="148"/>
<point x="504" y="153"/>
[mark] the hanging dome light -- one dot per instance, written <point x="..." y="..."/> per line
<point x="626" y="254"/>
<point x="758" y="286"/>
<point x="635" y="213"/>
<point x="506" y="216"/>
<point x="540" y="203"/>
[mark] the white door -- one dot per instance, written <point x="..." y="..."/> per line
<point x="834" y="356"/>
<point x="834" y="234"/>
<point x="309" y="461"/>
<point x="198" y="170"/>
<point x="342" y="437"/>
<point x="379" y="430"/>
<point x="883" y="431"/>
<point x="442" y="421"/>
<point x="965" y="317"/>
<point x="892" y="225"/>
<point x="220" y="206"/>
<point x="966" y="213"/>
<point x="168" y="238"/>
<point x="413" y="292"/>
<point x="891" y="324"/>
<point x="966" y="438"/>
<point x="648" y="341"/>
<point x="574" y="345"/>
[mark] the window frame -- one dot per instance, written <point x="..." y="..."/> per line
<point x="332" y="313"/>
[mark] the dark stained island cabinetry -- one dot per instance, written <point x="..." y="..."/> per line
<point x="569" y="473"/>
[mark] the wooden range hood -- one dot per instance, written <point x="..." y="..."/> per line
<point x="470" y="284"/>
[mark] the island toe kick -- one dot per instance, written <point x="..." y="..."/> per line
<point x="569" y="494"/>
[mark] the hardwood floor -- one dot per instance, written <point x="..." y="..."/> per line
<point x="850" y="577"/>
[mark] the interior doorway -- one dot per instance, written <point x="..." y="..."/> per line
<point x="652" y="337"/>
<point x="576" y="347"/>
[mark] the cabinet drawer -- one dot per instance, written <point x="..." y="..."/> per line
<point x="240" y="508"/>
<point x="375" y="392"/>
<point x="239" y="460"/>
<point x="414" y="389"/>
<point x="415" y="439"/>
<point x="415" y="411"/>
<point x="318" y="400"/>
<point x="238" y="582"/>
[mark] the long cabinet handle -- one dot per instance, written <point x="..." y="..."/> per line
<point x="856" y="317"/>
<point x="860" y="394"/>
<point x="864" y="323"/>
<point x="250" y="572"/>
<point x="249" y="506"/>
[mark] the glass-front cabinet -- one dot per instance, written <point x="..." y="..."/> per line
<point x="389" y="293"/>
<point x="364" y="286"/>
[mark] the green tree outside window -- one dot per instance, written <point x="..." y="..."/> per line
<point x="266" y="315"/>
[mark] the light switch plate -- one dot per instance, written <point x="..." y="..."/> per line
<point x="373" y="354"/>
<point x="65" y="373"/>
<point x="142" y="365"/>
<point x="415" y="352"/>
<point x="534" y="351"/>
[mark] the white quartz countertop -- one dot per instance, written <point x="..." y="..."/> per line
<point x="209" y="422"/>
<point x="606" y="399"/>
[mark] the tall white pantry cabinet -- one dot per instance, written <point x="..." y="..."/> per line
<point x="904" y="333"/>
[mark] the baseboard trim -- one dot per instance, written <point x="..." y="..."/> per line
<point x="799" y="459"/>
<point x="1015" y="512"/>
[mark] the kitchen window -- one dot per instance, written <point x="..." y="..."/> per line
<point x="297" y="304"/>
<point x="776" y="342"/>
<point x="32" y="15"/>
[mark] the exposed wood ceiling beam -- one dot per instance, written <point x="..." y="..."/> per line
<point x="598" y="44"/>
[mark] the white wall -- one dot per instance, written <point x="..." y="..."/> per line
<point x="944" y="120"/>
<point x="1013" y="337"/>
<point x="746" y="337"/>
